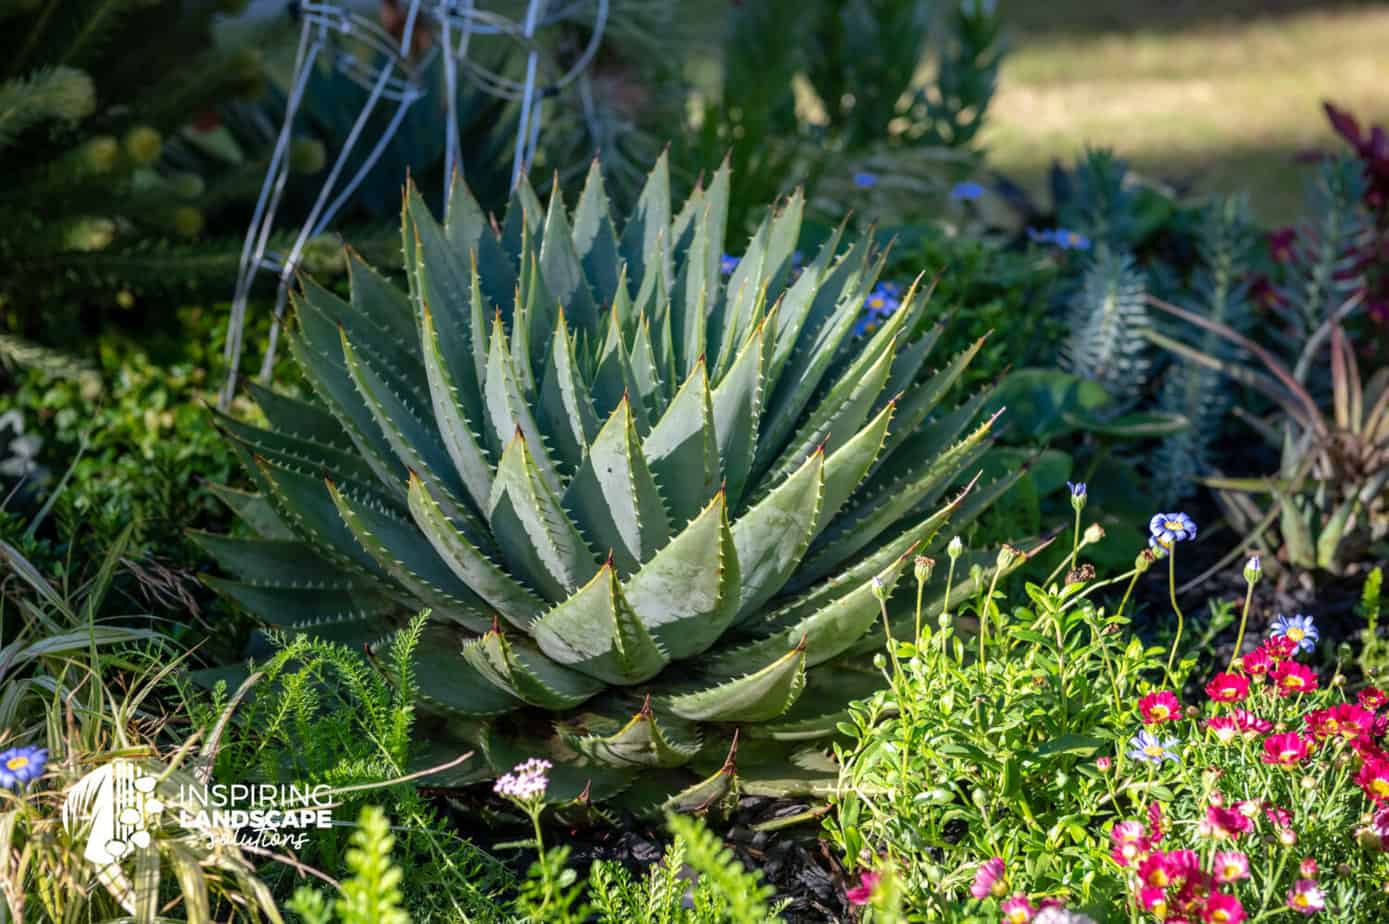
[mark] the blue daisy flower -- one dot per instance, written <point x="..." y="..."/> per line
<point x="1299" y="629"/>
<point x="1168" y="528"/>
<point x="1071" y="240"/>
<point x="22" y="765"/>
<point x="967" y="191"/>
<point x="728" y="264"/>
<point x="1150" y="749"/>
<point x="865" y="180"/>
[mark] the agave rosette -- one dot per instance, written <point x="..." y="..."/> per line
<point x="644" y="503"/>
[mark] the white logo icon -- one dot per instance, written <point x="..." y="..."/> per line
<point x="118" y="806"/>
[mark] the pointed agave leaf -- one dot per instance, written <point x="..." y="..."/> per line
<point x="818" y="284"/>
<point x="448" y="681"/>
<point x="310" y="610"/>
<point x="387" y="309"/>
<point x="650" y="389"/>
<point x="455" y="426"/>
<point x="278" y="564"/>
<point x="565" y="411"/>
<point x="405" y="555"/>
<point x="305" y="504"/>
<point x="470" y="233"/>
<point x="615" y="379"/>
<point x="919" y="401"/>
<point x="290" y="452"/>
<point x="524" y="213"/>
<point x="595" y="241"/>
<point x="615" y="499"/>
<point x="707" y="792"/>
<point x="682" y="449"/>
<point x="648" y="225"/>
<point x="596" y="632"/>
<point x="687" y="596"/>
<point x="826" y="633"/>
<point x="757" y="697"/>
<point x="847" y="467"/>
<point x="508" y="410"/>
<point x="416" y="441"/>
<point x="737" y="403"/>
<point x="563" y="272"/>
<point x="299" y="419"/>
<point x="253" y="510"/>
<point x="517" y="667"/>
<point x="642" y="742"/>
<point x="894" y="500"/>
<point x="772" y="537"/>
<point x="536" y="538"/>
<point x="838" y="417"/>
<point x="514" y="602"/>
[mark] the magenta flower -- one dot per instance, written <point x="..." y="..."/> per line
<point x="862" y="893"/>
<point x="988" y="879"/>
<point x="1306" y="897"/>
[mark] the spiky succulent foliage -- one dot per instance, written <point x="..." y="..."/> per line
<point x="1324" y="269"/>
<point x="1097" y="198"/>
<point x="1199" y="394"/>
<point x="646" y="507"/>
<point x="1107" y="321"/>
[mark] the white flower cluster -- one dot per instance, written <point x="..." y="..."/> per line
<point x="526" y="781"/>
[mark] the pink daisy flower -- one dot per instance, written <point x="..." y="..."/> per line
<point x="1159" y="707"/>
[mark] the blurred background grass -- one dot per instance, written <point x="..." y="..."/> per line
<point x="1206" y="94"/>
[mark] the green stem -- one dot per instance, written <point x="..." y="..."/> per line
<point x="1243" y="618"/>
<point x="920" y="586"/>
<point x="984" y="619"/>
<point x="1075" y="541"/>
<point x="1172" y="591"/>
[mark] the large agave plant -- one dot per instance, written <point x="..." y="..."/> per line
<point x="647" y="505"/>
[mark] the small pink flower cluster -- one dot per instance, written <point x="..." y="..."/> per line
<point x="990" y="880"/>
<point x="525" y="782"/>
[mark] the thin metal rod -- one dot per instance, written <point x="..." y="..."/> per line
<point x="518" y="159"/>
<point x="291" y="262"/>
<point x="263" y="218"/>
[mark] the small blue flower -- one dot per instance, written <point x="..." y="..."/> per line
<point x="1298" y="629"/>
<point x="728" y="264"/>
<point x="967" y="191"/>
<point x="1168" y="528"/>
<point x="21" y="765"/>
<point x="1059" y="237"/>
<point x="1077" y="488"/>
<point x="797" y="258"/>
<point x="865" y="180"/>
<point x="1149" y="748"/>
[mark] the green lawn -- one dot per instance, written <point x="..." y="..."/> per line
<point x="1219" y="95"/>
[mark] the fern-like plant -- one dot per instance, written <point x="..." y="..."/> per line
<point x="647" y="507"/>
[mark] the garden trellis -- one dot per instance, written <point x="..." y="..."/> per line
<point x="391" y="78"/>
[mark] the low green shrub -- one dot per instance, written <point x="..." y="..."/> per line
<point x="1053" y="757"/>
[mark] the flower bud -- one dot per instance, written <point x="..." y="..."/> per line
<point x="1253" y="570"/>
<point x="879" y="589"/>
<point x="1077" y="495"/>
<point x="99" y="155"/>
<point x="1006" y="556"/>
<point x="922" y="568"/>
<point x="307" y="156"/>
<point x="955" y="548"/>
<point x="1367" y="838"/>
<point x="1103" y="764"/>
<point x="188" y="221"/>
<point x="143" y="144"/>
<point x="1287" y="837"/>
<point x="1308" y="868"/>
<point x="1093" y="533"/>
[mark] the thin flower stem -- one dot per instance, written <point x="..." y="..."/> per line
<point x="1075" y="540"/>
<point x="920" y="586"/>
<point x="1172" y="589"/>
<point x="984" y="620"/>
<point x="1243" y="620"/>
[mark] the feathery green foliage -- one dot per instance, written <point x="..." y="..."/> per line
<point x="93" y="95"/>
<point x="644" y="504"/>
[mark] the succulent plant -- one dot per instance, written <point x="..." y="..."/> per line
<point x="645" y="505"/>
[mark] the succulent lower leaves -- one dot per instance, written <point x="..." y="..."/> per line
<point x="643" y="503"/>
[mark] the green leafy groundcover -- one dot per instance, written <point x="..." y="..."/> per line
<point x="647" y="506"/>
